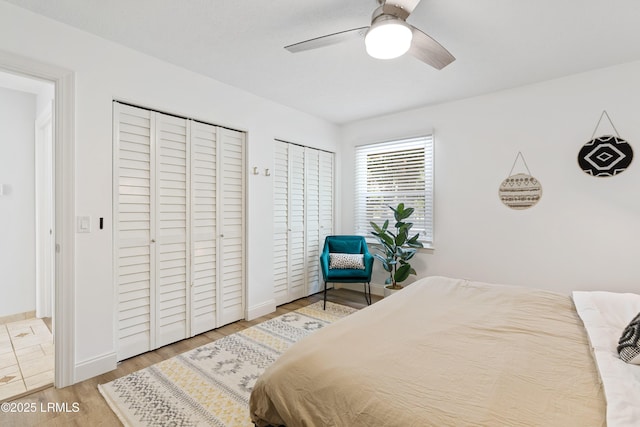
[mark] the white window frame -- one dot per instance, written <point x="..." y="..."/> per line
<point x="366" y="210"/>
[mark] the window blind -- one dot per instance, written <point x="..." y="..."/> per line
<point x="395" y="172"/>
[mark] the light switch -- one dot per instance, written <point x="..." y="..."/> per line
<point x="84" y="224"/>
<point x="1" y="190"/>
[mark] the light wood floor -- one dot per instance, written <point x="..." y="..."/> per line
<point x="92" y="410"/>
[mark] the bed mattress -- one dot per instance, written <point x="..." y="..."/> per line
<point x="442" y="352"/>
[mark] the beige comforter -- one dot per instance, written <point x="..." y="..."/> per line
<point x="441" y="352"/>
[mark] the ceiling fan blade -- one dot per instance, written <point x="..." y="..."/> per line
<point x="407" y="5"/>
<point x="327" y="40"/>
<point x="429" y="51"/>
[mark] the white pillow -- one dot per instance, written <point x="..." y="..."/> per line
<point x="346" y="261"/>
<point x="605" y="315"/>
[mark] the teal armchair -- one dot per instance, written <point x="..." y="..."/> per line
<point x="346" y="259"/>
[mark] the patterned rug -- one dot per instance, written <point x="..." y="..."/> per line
<point x="210" y="385"/>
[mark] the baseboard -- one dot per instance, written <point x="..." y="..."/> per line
<point x="95" y="366"/>
<point x="358" y="287"/>
<point x="377" y="289"/>
<point x="261" y="309"/>
<point x="17" y="317"/>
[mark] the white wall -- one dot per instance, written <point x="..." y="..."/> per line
<point x="106" y="71"/>
<point x="583" y="234"/>
<point x="17" y="205"/>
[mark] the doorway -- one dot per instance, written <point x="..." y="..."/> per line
<point x="64" y="171"/>
<point x="44" y="197"/>
<point x="27" y="246"/>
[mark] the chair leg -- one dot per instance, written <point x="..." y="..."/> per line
<point x="367" y="295"/>
<point x="325" y="296"/>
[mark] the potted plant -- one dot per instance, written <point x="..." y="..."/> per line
<point x="397" y="248"/>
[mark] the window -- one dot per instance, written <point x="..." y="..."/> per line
<point x="395" y="172"/>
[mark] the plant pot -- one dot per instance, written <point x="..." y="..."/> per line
<point x="388" y="291"/>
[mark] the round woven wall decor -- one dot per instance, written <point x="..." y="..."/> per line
<point x="520" y="191"/>
<point x="605" y="156"/>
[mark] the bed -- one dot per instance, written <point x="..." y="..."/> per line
<point x="443" y="352"/>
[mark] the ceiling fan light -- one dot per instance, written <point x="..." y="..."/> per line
<point x="388" y="39"/>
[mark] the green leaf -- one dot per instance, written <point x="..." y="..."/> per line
<point x="376" y="228"/>
<point x="387" y="281"/>
<point x="407" y="213"/>
<point x="401" y="237"/>
<point x="409" y="254"/>
<point x="397" y="212"/>
<point x="386" y="239"/>
<point x="402" y="273"/>
<point x="414" y="239"/>
<point x="400" y="224"/>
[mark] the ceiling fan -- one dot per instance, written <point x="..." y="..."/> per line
<point x="389" y="36"/>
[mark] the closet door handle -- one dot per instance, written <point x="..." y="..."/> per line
<point x="153" y="240"/>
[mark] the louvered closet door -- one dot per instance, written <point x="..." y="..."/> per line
<point x="172" y="225"/>
<point x="231" y="235"/>
<point x="297" y="257"/>
<point x="281" y="223"/>
<point x="203" y="227"/>
<point x="179" y="236"/>
<point x="325" y="195"/>
<point x="133" y="131"/>
<point x="312" y="237"/>
<point x="303" y="217"/>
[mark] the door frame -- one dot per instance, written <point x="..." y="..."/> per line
<point x="64" y="205"/>
<point x="45" y="244"/>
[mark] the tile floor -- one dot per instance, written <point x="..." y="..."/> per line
<point x="26" y="357"/>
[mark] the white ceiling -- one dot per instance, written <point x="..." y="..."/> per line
<point x="498" y="44"/>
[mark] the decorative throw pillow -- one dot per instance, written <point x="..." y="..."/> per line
<point x="346" y="261"/>
<point x="629" y="345"/>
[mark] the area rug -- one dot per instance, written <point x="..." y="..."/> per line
<point x="211" y="385"/>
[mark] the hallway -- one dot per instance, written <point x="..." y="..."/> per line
<point x="26" y="357"/>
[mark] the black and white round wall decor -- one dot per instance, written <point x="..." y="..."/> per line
<point x="520" y="191"/>
<point x="604" y="156"/>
